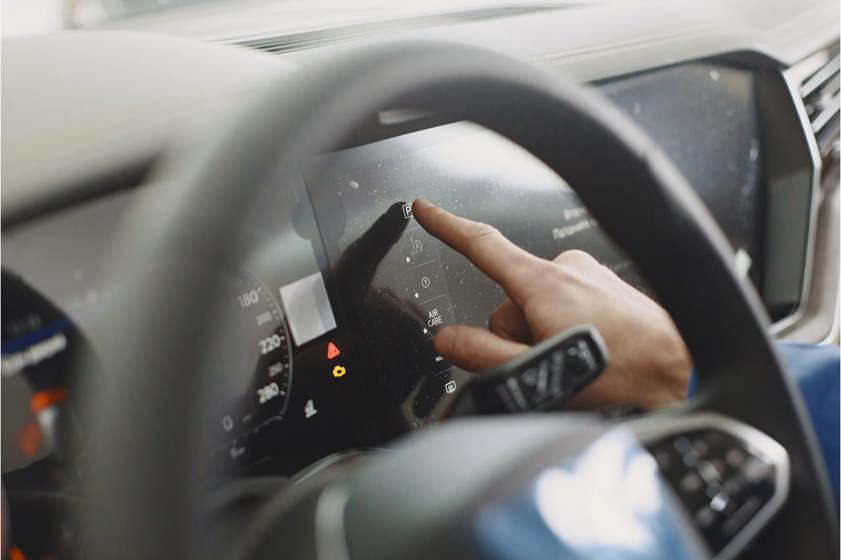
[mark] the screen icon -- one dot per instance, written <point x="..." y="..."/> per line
<point x="416" y="247"/>
<point x="309" y="409"/>
<point x="332" y="350"/>
<point x="227" y="423"/>
<point x="339" y="371"/>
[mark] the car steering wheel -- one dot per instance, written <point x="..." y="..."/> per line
<point x="146" y="438"/>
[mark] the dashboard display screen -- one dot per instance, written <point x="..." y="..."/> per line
<point x="400" y="284"/>
<point x="705" y="117"/>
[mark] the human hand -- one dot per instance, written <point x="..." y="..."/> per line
<point x="649" y="362"/>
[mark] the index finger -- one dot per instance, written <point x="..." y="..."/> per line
<point x="483" y="245"/>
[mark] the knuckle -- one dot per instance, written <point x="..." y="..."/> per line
<point x="575" y="257"/>
<point x="465" y="347"/>
<point x="438" y="212"/>
<point x="538" y="274"/>
<point x="479" y="235"/>
<point x="435" y="215"/>
<point x="461" y="344"/>
<point x="495" y="321"/>
<point x="562" y="271"/>
<point x="474" y="353"/>
<point x="445" y="345"/>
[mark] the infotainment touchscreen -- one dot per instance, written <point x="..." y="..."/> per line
<point x="400" y="284"/>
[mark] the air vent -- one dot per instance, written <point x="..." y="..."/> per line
<point x="819" y="87"/>
<point x="311" y="39"/>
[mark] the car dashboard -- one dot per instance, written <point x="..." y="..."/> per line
<point x="342" y="292"/>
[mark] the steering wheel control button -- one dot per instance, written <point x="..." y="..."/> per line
<point x="735" y="457"/>
<point x="579" y="359"/>
<point x="691" y="483"/>
<point x="725" y="480"/>
<point x="540" y="379"/>
<point x="706" y="517"/>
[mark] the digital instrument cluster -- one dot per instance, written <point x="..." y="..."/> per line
<point x="284" y="369"/>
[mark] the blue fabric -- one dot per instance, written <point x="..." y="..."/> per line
<point x="817" y="371"/>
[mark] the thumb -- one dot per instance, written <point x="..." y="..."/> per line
<point x="475" y="349"/>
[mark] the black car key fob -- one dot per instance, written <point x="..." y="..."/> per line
<point x="539" y="379"/>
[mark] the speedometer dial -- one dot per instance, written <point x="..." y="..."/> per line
<point x="256" y="340"/>
<point x="274" y="366"/>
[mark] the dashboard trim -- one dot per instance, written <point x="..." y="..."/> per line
<point x="779" y="328"/>
<point x="331" y="537"/>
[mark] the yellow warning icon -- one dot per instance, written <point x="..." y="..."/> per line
<point x="339" y="371"/>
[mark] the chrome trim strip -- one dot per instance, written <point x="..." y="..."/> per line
<point x="819" y="78"/>
<point x="792" y="79"/>
<point x="330" y="537"/>
<point x="808" y="66"/>
<point x="655" y="428"/>
<point x="831" y="110"/>
<point x="832" y="336"/>
<point x="332" y="460"/>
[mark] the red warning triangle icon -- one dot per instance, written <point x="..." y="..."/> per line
<point x="332" y="351"/>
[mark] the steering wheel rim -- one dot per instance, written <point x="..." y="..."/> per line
<point x="674" y="241"/>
